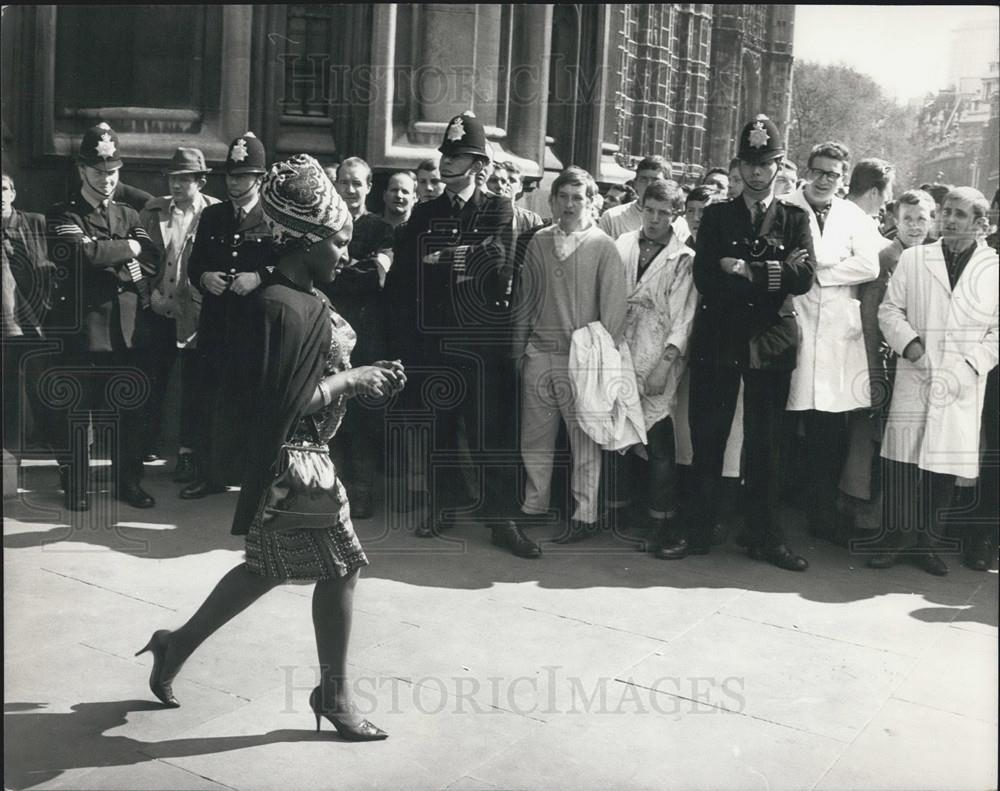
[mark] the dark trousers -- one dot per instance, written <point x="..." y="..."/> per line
<point x="714" y="391"/>
<point x="467" y="443"/>
<point x="163" y="357"/>
<point x="657" y="475"/>
<point x="24" y="418"/>
<point x="913" y="505"/>
<point x="110" y="389"/>
<point x="825" y="449"/>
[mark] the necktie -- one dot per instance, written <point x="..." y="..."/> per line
<point x="240" y="214"/>
<point x="759" y="210"/>
<point x="457" y="203"/>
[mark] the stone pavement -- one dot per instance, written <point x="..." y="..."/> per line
<point x="595" y="667"/>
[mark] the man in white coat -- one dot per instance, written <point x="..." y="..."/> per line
<point x="831" y="376"/>
<point x="661" y="305"/>
<point x="939" y="315"/>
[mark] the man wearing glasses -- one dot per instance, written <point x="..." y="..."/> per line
<point x="831" y="378"/>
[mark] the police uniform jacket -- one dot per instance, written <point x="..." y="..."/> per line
<point x="750" y="323"/>
<point x="463" y="294"/>
<point x="96" y="295"/>
<point x="222" y="245"/>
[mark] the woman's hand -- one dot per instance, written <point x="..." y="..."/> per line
<point x="395" y="371"/>
<point x="369" y="380"/>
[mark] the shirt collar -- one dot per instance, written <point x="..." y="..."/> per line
<point x="93" y="198"/>
<point x="465" y="194"/>
<point x="766" y="201"/>
<point x="196" y="205"/>
<point x="249" y="207"/>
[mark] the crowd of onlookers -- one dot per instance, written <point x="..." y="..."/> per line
<point x="806" y="330"/>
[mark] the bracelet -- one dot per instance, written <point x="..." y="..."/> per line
<point x="324" y="391"/>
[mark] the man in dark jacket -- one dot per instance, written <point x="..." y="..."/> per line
<point x="27" y="286"/>
<point x="754" y="252"/>
<point x="446" y="296"/>
<point x="231" y="250"/>
<point x="102" y="303"/>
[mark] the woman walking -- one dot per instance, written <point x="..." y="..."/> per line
<point x="304" y="379"/>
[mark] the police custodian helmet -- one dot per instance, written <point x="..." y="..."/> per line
<point x="464" y="135"/>
<point x="246" y="155"/>
<point x="760" y="141"/>
<point x="99" y="148"/>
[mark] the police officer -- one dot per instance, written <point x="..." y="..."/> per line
<point x="230" y="253"/>
<point x="102" y="306"/>
<point x="754" y="252"/>
<point x="446" y="293"/>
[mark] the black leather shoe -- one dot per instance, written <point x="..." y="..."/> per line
<point x="186" y="470"/>
<point x="932" y="564"/>
<point x="980" y="555"/>
<point x="672" y="549"/>
<point x="150" y="458"/>
<point x="361" y="506"/>
<point x="426" y="528"/>
<point x="199" y="489"/>
<point x="509" y="536"/>
<point x="135" y="495"/>
<point x="576" y="531"/>
<point x="883" y="560"/>
<point x="782" y="557"/>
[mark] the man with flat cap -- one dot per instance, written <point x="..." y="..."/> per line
<point x="230" y="253"/>
<point x="753" y="254"/>
<point x="172" y="223"/>
<point x="102" y="304"/>
<point x="446" y="292"/>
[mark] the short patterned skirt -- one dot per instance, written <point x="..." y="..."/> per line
<point x="307" y="555"/>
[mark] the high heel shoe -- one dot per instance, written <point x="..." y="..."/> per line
<point x="365" y="732"/>
<point x="159" y="686"/>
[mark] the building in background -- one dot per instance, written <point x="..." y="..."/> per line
<point x="594" y="85"/>
<point x="958" y="126"/>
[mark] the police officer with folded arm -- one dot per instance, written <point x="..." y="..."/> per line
<point x="102" y="304"/>
<point x="753" y="253"/>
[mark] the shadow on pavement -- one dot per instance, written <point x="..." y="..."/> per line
<point x="41" y="745"/>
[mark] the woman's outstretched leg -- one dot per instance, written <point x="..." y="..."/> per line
<point x="236" y="591"/>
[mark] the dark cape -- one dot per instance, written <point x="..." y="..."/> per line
<point x="291" y="340"/>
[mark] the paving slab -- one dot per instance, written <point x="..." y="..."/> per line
<point x="909" y="747"/>
<point x="660" y="746"/>
<point x="815" y="684"/>
<point x="956" y="674"/>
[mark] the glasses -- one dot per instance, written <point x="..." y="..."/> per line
<point x="829" y="175"/>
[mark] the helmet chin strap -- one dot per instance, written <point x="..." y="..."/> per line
<point x="769" y="183"/>
<point x="247" y="191"/>
<point x="100" y="191"/>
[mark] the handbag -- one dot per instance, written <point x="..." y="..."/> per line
<point x="305" y="493"/>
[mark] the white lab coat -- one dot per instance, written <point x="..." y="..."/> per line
<point x="606" y="393"/>
<point x="661" y="310"/>
<point x="937" y="402"/>
<point x="831" y="374"/>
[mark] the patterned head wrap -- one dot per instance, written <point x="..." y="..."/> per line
<point x="300" y="204"/>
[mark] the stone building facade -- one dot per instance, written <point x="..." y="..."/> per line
<point x="594" y="85"/>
